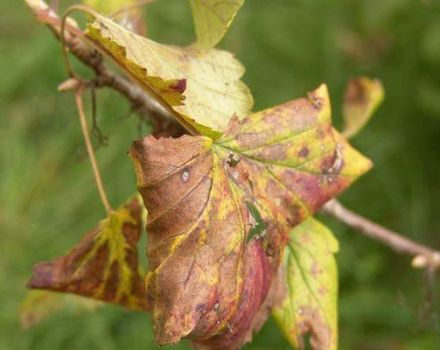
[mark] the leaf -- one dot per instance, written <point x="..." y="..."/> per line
<point x="104" y="265"/>
<point x="128" y="12"/>
<point x="208" y="275"/>
<point x="212" y="19"/>
<point x="109" y="6"/>
<point x="40" y="304"/>
<point x="311" y="283"/>
<point x="201" y="88"/>
<point x="362" y="98"/>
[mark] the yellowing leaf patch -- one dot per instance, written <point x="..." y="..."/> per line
<point x="104" y="265"/>
<point x="202" y="88"/>
<point x="212" y="19"/>
<point x="310" y="303"/>
<point x="220" y="212"/>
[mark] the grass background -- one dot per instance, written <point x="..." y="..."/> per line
<point x="48" y="199"/>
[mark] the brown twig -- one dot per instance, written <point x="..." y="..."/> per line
<point x="141" y="101"/>
<point x="423" y="255"/>
<point x="165" y="125"/>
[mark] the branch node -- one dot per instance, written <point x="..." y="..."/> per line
<point x="426" y="261"/>
<point x="70" y="84"/>
<point x="72" y="39"/>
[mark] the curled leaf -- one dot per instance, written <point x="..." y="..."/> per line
<point x="220" y="212"/>
<point x="310" y="303"/>
<point x="212" y="19"/>
<point x="362" y="97"/>
<point x="201" y="88"/>
<point x="40" y="304"/>
<point x="104" y="265"/>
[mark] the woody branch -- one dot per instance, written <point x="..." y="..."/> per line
<point x="141" y="101"/>
<point x="165" y="125"/>
<point x="424" y="257"/>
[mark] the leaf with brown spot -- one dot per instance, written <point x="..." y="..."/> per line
<point x="310" y="303"/>
<point x="41" y="304"/>
<point x="362" y="98"/>
<point x="104" y="265"/>
<point x="212" y="19"/>
<point x="201" y="88"/>
<point x="210" y="268"/>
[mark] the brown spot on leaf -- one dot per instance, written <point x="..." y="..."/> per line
<point x="315" y="270"/>
<point x="179" y="86"/>
<point x="357" y="92"/>
<point x="322" y="291"/>
<point x="303" y="152"/>
<point x="315" y="100"/>
<point x="312" y="324"/>
<point x="233" y="159"/>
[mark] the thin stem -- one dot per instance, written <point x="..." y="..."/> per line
<point x="165" y="125"/>
<point x="142" y="102"/>
<point x="84" y="9"/>
<point x="69" y="68"/>
<point x="423" y="255"/>
<point x="90" y="151"/>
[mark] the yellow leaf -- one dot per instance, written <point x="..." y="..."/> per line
<point x="212" y="19"/>
<point x="201" y="88"/>
<point x="362" y="98"/>
<point x="311" y="286"/>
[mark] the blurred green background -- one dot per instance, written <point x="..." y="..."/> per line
<point x="47" y="194"/>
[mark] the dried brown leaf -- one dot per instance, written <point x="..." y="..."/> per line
<point x="220" y="212"/>
<point x="104" y="265"/>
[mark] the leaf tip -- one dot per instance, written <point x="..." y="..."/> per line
<point x="320" y="100"/>
<point x="362" y="98"/>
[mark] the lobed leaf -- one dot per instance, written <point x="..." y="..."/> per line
<point x="212" y="19"/>
<point x="310" y="303"/>
<point x="362" y="98"/>
<point x="104" y="265"/>
<point x="220" y="212"/>
<point x="201" y="88"/>
<point x="40" y="304"/>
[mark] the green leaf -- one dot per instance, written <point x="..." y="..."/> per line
<point x="362" y="97"/>
<point x="212" y="19"/>
<point x="311" y="285"/>
<point x="40" y="304"/>
<point x="104" y="265"/>
<point x="220" y="213"/>
<point x="202" y="89"/>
